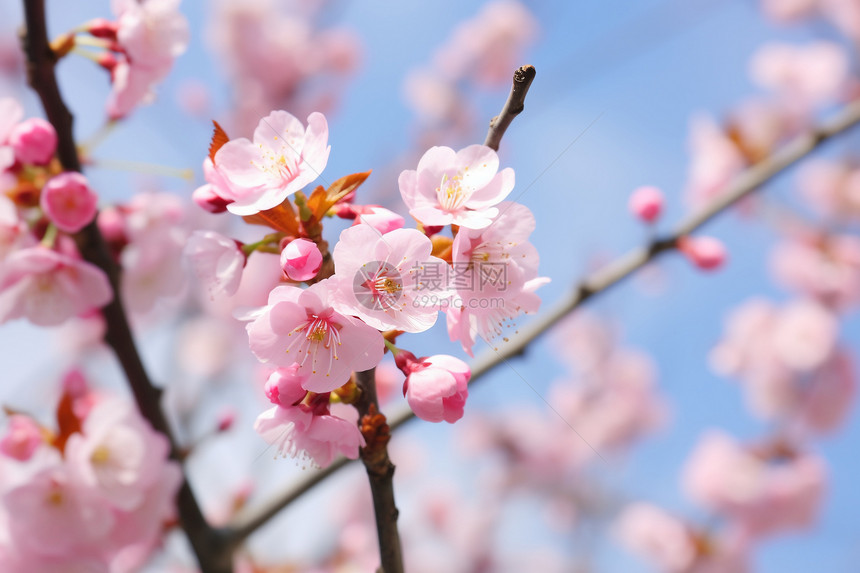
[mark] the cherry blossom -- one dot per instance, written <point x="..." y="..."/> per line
<point x="436" y="387"/>
<point x="301" y="259"/>
<point x="22" y="438"/>
<point x="496" y="270"/>
<point x="48" y="287"/>
<point x="309" y="434"/>
<point x="762" y="498"/>
<point x="34" y="141"/>
<point x="391" y="280"/>
<point x="456" y="188"/>
<point x="69" y="202"/>
<point x="117" y="453"/>
<point x="217" y="260"/>
<point x="646" y="203"/>
<point x="301" y="326"/>
<point x="812" y="74"/>
<point x="283" y="158"/>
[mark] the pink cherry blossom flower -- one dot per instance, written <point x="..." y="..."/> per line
<point x="307" y="434"/>
<point x="217" y="260"/>
<point x="497" y="276"/>
<point x="48" y="287"/>
<point x="301" y="259"/>
<point x="131" y="86"/>
<point x="117" y="453"/>
<point x="677" y="547"/>
<point x="788" y="359"/>
<point x="827" y="270"/>
<point x="813" y="74"/>
<point x="467" y="322"/>
<point x="284" y="386"/>
<point x="210" y="196"/>
<point x="34" y="141"/>
<point x="14" y="233"/>
<point x="301" y="326"/>
<point x="11" y="113"/>
<point x="379" y="218"/>
<point x="714" y="160"/>
<point x="55" y="516"/>
<point x="22" y="438"/>
<point x="489" y="45"/>
<point x="495" y="262"/>
<point x="705" y="253"/>
<point x="762" y="498"/>
<point x="151" y="32"/>
<point x="69" y="202"/>
<point x="456" y="188"/>
<point x="657" y="535"/>
<point x="282" y="159"/>
<point x="436" y="387"/>
<point x="391" y="280"/>
<point x="646" y="203"/>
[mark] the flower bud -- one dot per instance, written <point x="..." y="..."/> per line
<point x="706" y="253"/>
<point x="646" y="203"/>
<point x="301" y="259"/>
<point x="22" y="438"/>
<point x="436" y="387"/>
<point x="34" y="141"/>
<point x="284" y="386"/>
<point x="68" y="201"/>
<point x="208" y="199"/>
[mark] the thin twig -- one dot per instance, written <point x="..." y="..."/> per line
<point x="206" y="542"/>
<point x="593" y="284"/>
<point x="514" y="105"/>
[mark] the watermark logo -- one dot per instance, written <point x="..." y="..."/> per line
<point x="377" y="286"/>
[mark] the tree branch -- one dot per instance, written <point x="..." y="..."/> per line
<point x="380" y="472"/>
<point x="514" y="105"/>
<point x="598" y="282"/>
<point x="207" y="543"/>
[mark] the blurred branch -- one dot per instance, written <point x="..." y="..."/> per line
<point x="213" y="555"/>
<point x="598" y="282"/>
<point x="515" y="104"/>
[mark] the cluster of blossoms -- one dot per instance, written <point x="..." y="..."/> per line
<point x="481" y="52"/>
<point x="379" y="281"/>
<point x="793" y="370"/>
<point x="137" y="48"/>
<point x="255" y="37"/>
<point x="798" y="80"/>
<point x="42" y="276"/>
<point x="94" y="494"/>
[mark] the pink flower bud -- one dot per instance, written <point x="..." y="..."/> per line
<point x="111" y="223"/>
<point x="436" y="387"/>
<point x="380" y="218"/>
<point x="284" y="386"/>
<point x="102" y="28"/>
<point x="34" y="141"/>
<point x="68" y="201"/>
<point x="646" y="203"/>
<point x="22" y="438"/>
<point x="707" y="253"/>
<point x="301" y="259"/>
<point x="226" y="419"/>
<point x="208" y="199"/>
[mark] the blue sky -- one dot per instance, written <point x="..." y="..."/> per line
<point x="634" y="72"/>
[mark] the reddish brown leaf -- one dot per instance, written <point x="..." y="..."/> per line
<point x="281" y="218"/>
<point x="337" y="191"/>
<point x="67" y="422"/>
<point x="219" y="138"/>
